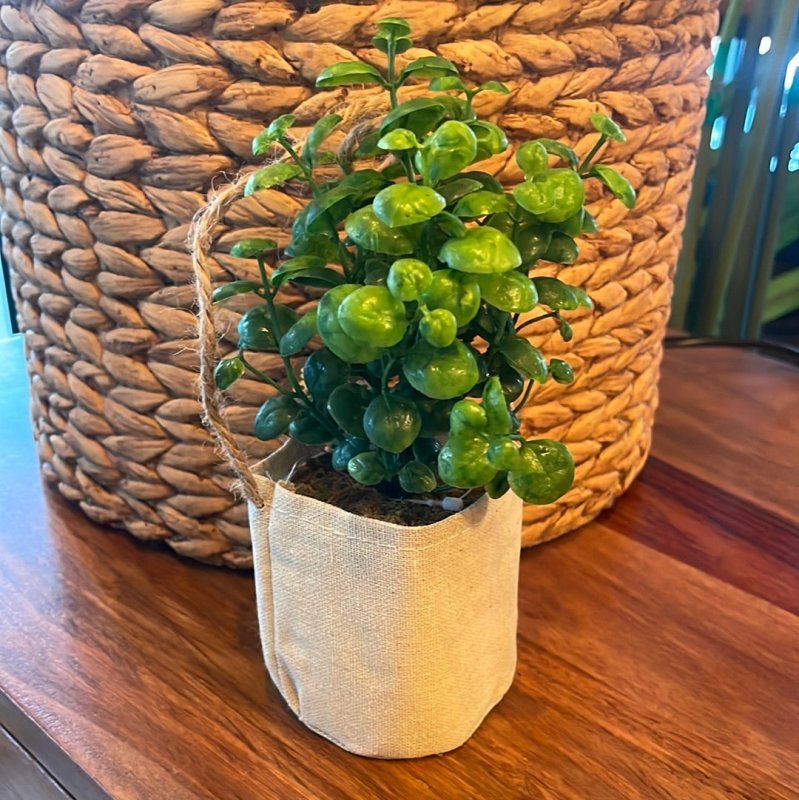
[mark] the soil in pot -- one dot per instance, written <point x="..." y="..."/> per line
<point x="316" y="478"/>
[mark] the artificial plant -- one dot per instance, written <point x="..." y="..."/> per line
<point x="426" y="263"/>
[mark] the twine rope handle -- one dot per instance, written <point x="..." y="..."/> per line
<point x="201" y="237"/>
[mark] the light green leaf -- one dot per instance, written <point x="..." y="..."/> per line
<point x="406" y="204"/>
<point x="268" y="177"/>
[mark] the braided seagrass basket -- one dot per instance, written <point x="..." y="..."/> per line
<point x="117" y="115"/>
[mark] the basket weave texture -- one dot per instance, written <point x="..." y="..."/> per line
<point x="116" y="116"/>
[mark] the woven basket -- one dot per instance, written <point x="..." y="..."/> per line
<point x="117" y="115"/>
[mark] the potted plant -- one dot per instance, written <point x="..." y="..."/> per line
<point x="386" y="530"/>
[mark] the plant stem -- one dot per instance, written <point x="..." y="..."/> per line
<point x="263" y="376"/>
<point x="587" y="161"/>
<point x="525" y="397"/>
<point x="550" y="315"/>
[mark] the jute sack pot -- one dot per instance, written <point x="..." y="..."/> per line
<point x="391" y="641"/>
<point x="116" y="116"/>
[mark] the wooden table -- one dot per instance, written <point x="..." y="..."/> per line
<point x="659" y="646"/>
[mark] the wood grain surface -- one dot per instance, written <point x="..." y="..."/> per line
<point x="658" y="647"/>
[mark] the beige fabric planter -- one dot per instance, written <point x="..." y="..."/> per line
<point x="116" y="116"/>
<point x="391" y="641"/>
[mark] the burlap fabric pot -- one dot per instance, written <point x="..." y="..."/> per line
<point x="115" y="118"/>
<point x="392" y="641"/>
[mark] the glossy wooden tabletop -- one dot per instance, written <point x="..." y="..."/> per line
<point x="659" y="646"/>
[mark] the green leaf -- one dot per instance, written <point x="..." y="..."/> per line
<point x="227" y="372"/>
<point x="277" y="129"/>
<point x="524" y="358"/>
<point x="485" y="180"/>
<point x="313" y="276"/>
<point x="408" y="278"/>
<point x="255" y="327"/>
<point x="532" y="158"/>
<point x="567" y="188"/>
<point x="562" y="249"/>
<point x="308" y="429"/>
<point x="233" y="288"/>
<point x="321" y="245"/>
<point x="508" y="291"/>
<point x="428" y="67"/>
<point x="533" y="242"/>
<point x="347" y="404"/>
<point x="463" y="462"/>
<point x="392" y="422"/>
<point x="371" y="314"/>
<point x="367" y="468"/>
<point x="492" y="86"/>
<point x="561" y="371"/>
<point x="342" y="453"/>
<point x="556" y="294"/>
<point x="467" y="418"/>
<point x="457" y="292"/>
<point x="447" y="83"/>
<point x="334" y="336"/>
<point x="548" y="475"/>
<point x="534" y="196"/>
<point x="450" y="224"/>
<point x="451" y="147"/>
<point x="268" y="177"/>
<point x="406" y="204"/>
<point x="498" y="417"/>
<point x="491" y="139"/>
<point x="371" y="233"/>
<point x="607" y="127"/>
<point x="419" y="115"/>
<point x="456" y="188"/>
<point x="348" y="73"/>
<point x="560" y="150"/>
<point x="299" y="334"/>
<point x="320" y="131"/>
<point x="399" y="139"/>
<point x="622" y="189"/>
<point x="481" y="251"/>
<point x="441" y="373"/>
<point x="401" y="43"/>
<point x="417" y="478"/>
<point x="393" y="27"/>
<point x="330" y="207"/>
<point x="323" y="371"/>
<point x="368" y="145"/>
<point x="480" y="204"/>
<point x="367" y="182"/>
<point x="566" y="332"/>
<point x="251" y="248"/>
<point x="274" y="417"/>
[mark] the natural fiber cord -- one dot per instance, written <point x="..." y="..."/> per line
<point x="118" y="116"/>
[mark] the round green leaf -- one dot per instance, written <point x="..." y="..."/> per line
<point x="367" y="468"/>
<point x="568" y="191"/>
<point x="482" y="250"/>
<point x="548" y="472"/>
<point x="498" y="417"/>
<point x="227" y="372"/>
<point x="439" y="327"/>
<point x="456" y="292"/>
<point x="426" y="450"/>
<point x="534" y="196"/>
<point x="463" y="462"/>
<point x="323" y="372"/>
<point x="392" y="422"/>
<point x="561" y="371"/>
<point x="532" y="158"/>
<point x="333" y="335"/>
<point x="399" y="139"/>
<point x="562" y="249"/>
<point x="371" y="233"/>
<point x="373" y="315"/>
<point x="441" y="372"/>
<point x="493" y="86"/>
<point x="408" y="278"/>
<point x="509" y="291"/>
<point x="480" y="204"/>
<point x="447" y="83"/>
<point x="451" y="147"/>
<point x="456" y="188"/>
<point x="274" y="417"/>
<point x="560" y="150"/>
<point x="533" y="242"/>
<point x="556" y="294"/>
<point x="419" y="115"/>
<point x="406" y="204"/>
<point x="468" y="417"/>
<point x="417" y="478"/>
<point x="428" y="67"/>
<point x="255" y="327"/>
<point x="393" y="27"/>
<point x="306" y="428"/>
<point x="341" y="454"/>
<point x="491" y="139"/>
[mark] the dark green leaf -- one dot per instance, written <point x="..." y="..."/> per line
<point x="233" y="288"/>
<point x="308" y="429"/>
<point x="417" y="478"/>
<point x="419" y="115"/>
<point x="556" y="294"/>
<point x="312" y="276"/>
<point x="561" y="371"/>
<point x="456" y="188"/>
<point x="320" y="131"/>
<point x="274" y="417"/>
<point x="227" y="372"/>
<point x="347" y="404"/>
<point x="491" y="139"/>
<point x="480" y="204"/>
<point x="450" y="224"/>
<point x="299" y="334"/>
<point x="560" y="150"/>
<point x="277" y="128"/>
<point x="255" y="327"/>
<point x="447" y="83"/>
<point x="562" y="249"/>
<point x="428" y="67"/>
